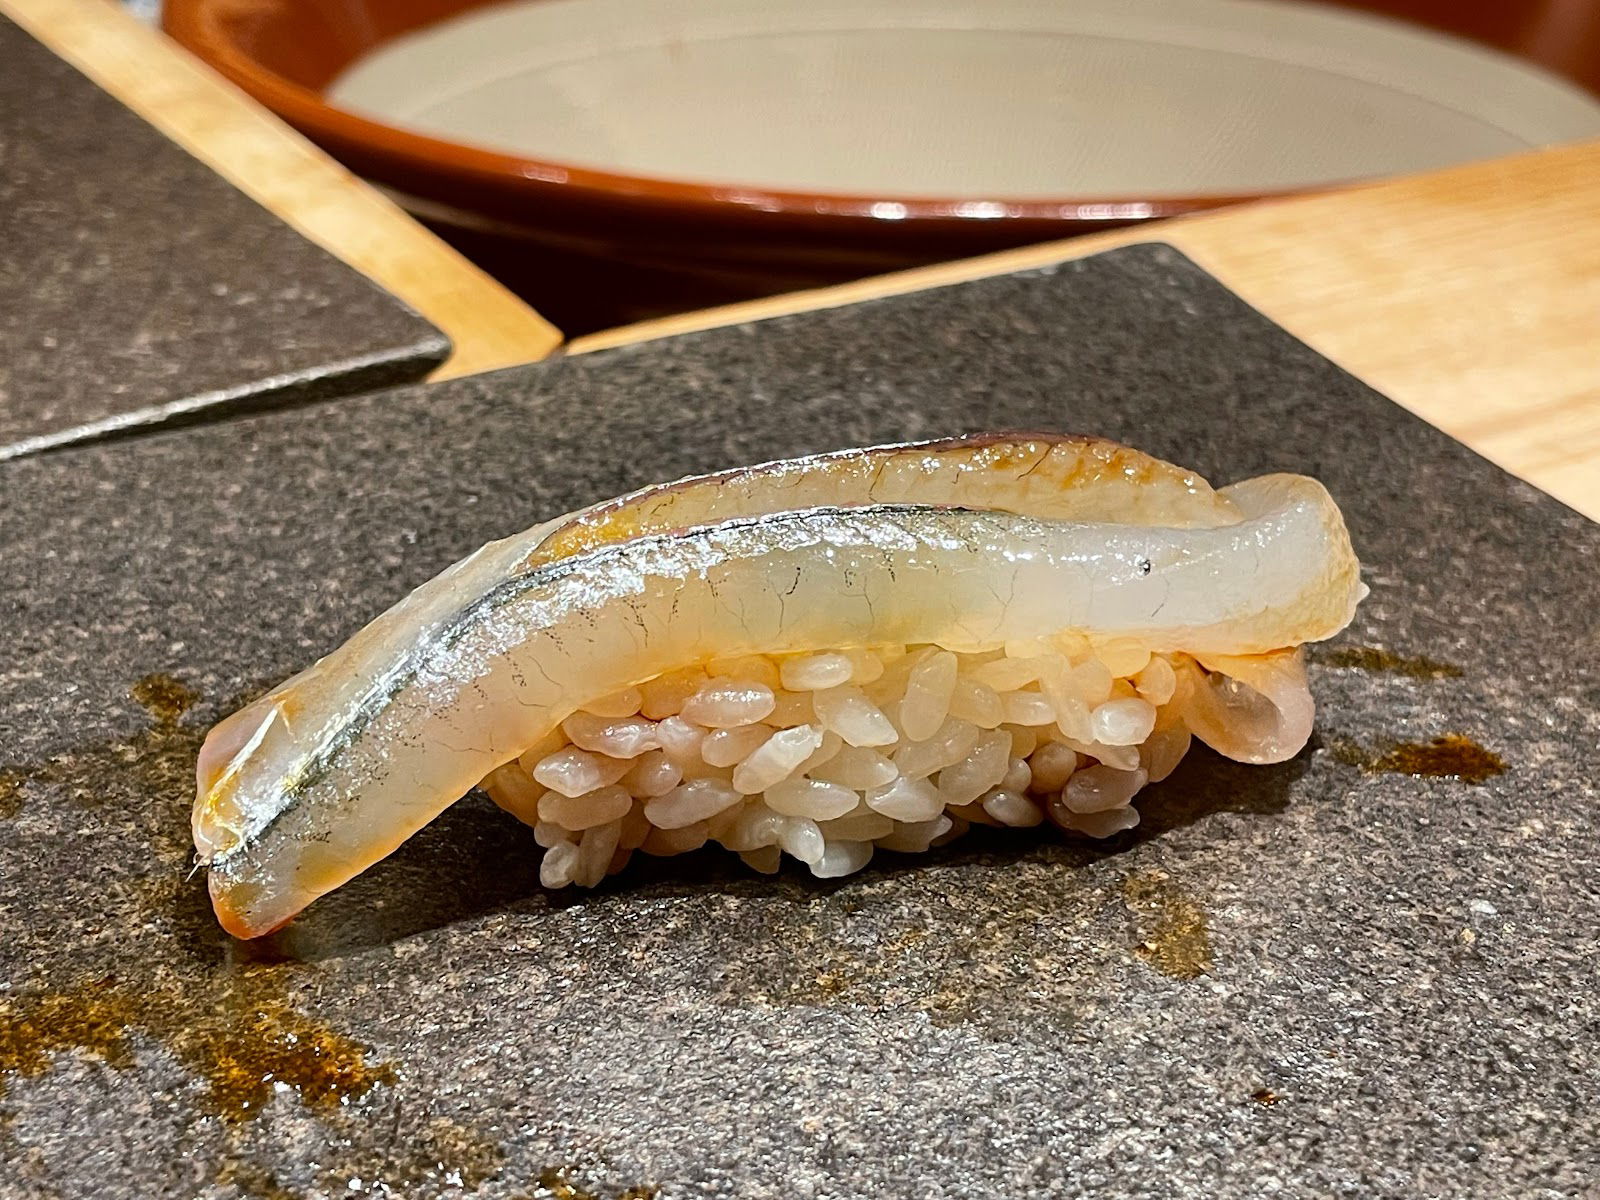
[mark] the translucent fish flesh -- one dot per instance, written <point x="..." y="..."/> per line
<point x="815" y="658"/>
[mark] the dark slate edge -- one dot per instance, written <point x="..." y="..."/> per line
<point x="343" y="379"/>
<point x="416" y="345"/>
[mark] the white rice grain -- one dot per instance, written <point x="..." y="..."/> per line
<point x="681" y="740"/>
<point x="1052" y="765"/>
<point x="653" y="774"/>
<point x="1018" y="774"/>
<point x="1122" y="657"/>
<point x="860" y="824"/>
<point x="635" y="828"/>
<point x="847" y="712"/>
<point x="1099" y="788"/>
<point x="842" y="858"/>
<point x="548" y="833"/>
<point x="1123" y="722"/>
<point x="965" y="781"/>
<point x="766" y="860"/>
<point x="1102" y="824"/>
<point x="1025" y="739"/>
<point x="857" y="767"/>
<point x="543" y="748"/>
<point x="865" y="667"/>
<point x="907" y="800"/>
<point x="696" y="800"/>
<point x="588" y="810"/>
<point x="976" y="703"/>
<point x="813" y="672"/>
<point x="1161" y="755"/>
<point x="726" y="747"/>
<point x="1027" y="708"/>
<point x="832" y="745"/>
<point x="929" y="687"/>
<point x="791" y="708"/>
<point x="800" y="838"/>
<point x="775" y="759"/>
<point x="952" y="742"/>
<point x="573" y="772"/>
<point x="1012" y="808"/>
<point x="559" y="865"/>
<point x="594" y="854"/>
<point x="757" y="826"/>
<point x="1008" y="674"/>
<point x="666" y="842"/>
<point x="1072" y="716"/>
<point x="724" y="703"/>
<point x="1091" y="682"/>
<point x="617" y="737"/>
<point x="1157" y="682"/>
<point x="813" y="798"/>
<point x="1121" y="758"/>
<point x="664" y="695"/>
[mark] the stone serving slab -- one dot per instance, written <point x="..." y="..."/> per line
<point x="138" y="287"/>
<point x="1324" y="978"/>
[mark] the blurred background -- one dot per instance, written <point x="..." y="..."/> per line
<point x="612" y="160"/>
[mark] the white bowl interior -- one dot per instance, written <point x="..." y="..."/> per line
<point x="965" y="98"/>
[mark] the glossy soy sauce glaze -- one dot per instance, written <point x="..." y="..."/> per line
<point x="163" y="697"/>
<point x="1173" y="935"/>
<point x="11" y="782"/>
<point x="232" y="1025"/>
<point x="1386" y="662"/>
<point x="239" y="1035"/>
<point x="1448" y="756"/>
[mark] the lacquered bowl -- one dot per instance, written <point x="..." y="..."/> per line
<point x="693" y="152"/>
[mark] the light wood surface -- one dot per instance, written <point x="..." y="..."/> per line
<point x="1471" y="296"/>
<point x="222" y="127"/>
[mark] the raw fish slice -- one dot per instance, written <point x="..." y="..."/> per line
<point x="1045" y="475"/>
<point x="333" y="770"/>
<point x="1063" y="478"/>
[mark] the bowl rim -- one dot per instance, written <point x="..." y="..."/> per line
<point x="192" y="24"/>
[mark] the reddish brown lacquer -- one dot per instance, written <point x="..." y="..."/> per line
<point x="594" y="248"/>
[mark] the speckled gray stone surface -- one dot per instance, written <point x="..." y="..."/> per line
<point x="137" y="286"/>
<point x="1409" y="966"/>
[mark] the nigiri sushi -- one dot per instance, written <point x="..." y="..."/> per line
<point x="819" y="658"/>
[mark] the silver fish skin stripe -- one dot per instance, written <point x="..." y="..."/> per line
<point x="508" y="664"/>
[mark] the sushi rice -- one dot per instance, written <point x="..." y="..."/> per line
<point x="827" y="757"/>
